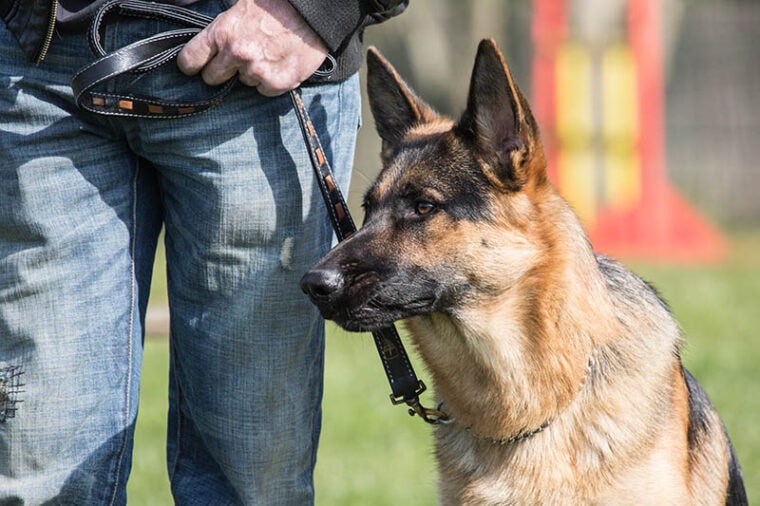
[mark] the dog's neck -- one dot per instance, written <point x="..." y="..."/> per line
<point x="523" y="434"/>
<point x="510" y="374"/>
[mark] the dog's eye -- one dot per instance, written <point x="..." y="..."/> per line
<point x="423" y="207"/>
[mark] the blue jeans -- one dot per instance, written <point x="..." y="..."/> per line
<point x="82" y="201"/>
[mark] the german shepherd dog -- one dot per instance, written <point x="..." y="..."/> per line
<point x="559" y="369"/>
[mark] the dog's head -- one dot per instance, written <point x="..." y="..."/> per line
<point x="451" y="219"/>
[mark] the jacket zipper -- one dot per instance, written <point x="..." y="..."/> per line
<point x="49" y="35"/>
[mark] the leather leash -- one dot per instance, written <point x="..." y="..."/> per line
<point x="150" y="53"/>
<point x="405" y="387"/>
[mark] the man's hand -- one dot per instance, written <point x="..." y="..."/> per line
<point x="267" y="42"/>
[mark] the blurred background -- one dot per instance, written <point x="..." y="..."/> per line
<point x="649" y="111"/>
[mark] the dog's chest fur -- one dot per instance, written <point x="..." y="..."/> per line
<point x="620" y="437"/>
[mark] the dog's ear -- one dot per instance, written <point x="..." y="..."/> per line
<point x="499" y="123"/>
<point x="395" y="106"/>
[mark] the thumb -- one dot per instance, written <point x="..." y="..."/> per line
<point x="196" y="54"/>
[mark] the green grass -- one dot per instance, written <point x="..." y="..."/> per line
<point x="149" y="482"/>
<point x="372" y="453"/>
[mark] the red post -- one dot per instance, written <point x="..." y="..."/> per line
<point x="549" y="30"/>
<point x="661" y="225"/>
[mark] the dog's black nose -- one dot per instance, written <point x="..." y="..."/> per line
<point x="321" y="284"/>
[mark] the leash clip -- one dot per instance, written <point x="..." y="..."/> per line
<point x="433" y="416"/>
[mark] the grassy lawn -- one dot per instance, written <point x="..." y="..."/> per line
<point x="372" y="453"/>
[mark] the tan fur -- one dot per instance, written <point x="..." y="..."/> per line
<point x="616" y="437"/>
<point x="525" y="359"/>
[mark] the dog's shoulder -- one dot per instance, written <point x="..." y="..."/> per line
<point x="649" y="322"/>
<point x="629" y="289"/>
<point x="702" y="425"/>
<point x="736" y="494"/>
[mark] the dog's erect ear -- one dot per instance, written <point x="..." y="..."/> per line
<point x="394" y="105"/>
<point x="499" y="122"/>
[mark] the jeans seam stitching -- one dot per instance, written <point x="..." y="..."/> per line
<point x="130" y="337"/>
<point x="178" y="433"/>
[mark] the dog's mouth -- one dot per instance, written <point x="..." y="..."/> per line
<point x="374" y="316"/>
<point x="365" y="302"/>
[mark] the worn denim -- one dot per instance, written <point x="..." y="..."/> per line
<point x="82" y="201"/>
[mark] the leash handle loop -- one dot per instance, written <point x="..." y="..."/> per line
<point x="185" y="18"/>
<point x="146" y="55"/>
<point x="138" y="57"/>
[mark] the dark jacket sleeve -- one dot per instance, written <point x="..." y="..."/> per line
<point x="336" y="21"/>
<point x="29" y="22"/>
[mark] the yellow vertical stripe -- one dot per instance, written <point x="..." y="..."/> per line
<point x="622" y="178"/>
<point x="575" y="129"/>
